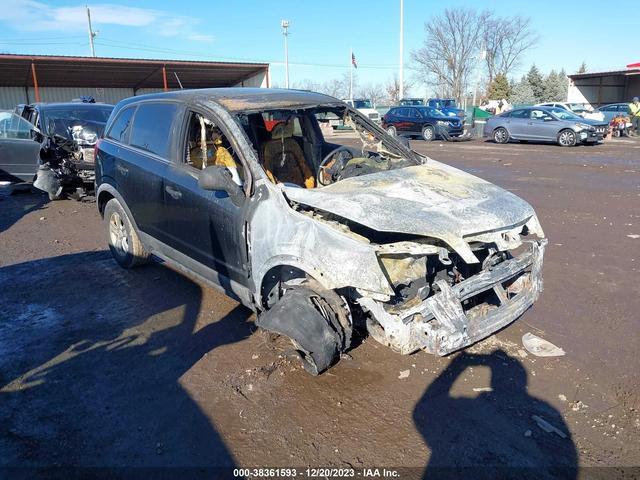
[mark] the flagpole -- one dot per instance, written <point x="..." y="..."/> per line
<point x="401" y="89"/>
<point x="351" y="76"/>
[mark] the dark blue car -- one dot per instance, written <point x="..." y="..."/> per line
<point x="425" y="122"/>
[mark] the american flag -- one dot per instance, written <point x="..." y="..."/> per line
<point x="353" y="60"/>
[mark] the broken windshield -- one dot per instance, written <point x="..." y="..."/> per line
<point x="320" y="145"/>
<point x="362" y="104"/>
<point x="61" y="120"/>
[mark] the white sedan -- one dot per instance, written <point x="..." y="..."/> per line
<point x="577" y="108"/>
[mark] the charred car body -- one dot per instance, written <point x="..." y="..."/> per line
<point x="69" y="134"/>
<point x="314" y="235"/>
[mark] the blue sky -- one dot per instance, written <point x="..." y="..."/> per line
<point x="322" y="32"/>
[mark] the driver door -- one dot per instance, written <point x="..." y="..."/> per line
<point x="542" y="126"/>
<point x="206" y="226"/>
<point x="18" y="150"/>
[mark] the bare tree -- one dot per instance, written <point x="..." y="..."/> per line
<point x="392" y="90"/>
<point x="505" y="39"/>
<point x="449" y="52"/>
<point x="372" y="91"/>
<point x="336" y="87"/>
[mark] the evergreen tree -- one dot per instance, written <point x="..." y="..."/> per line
<point x="522" y="93"/>
<point x="549" y="84"/>
<point x="583" y="68"/>
<point x="536" y="82"/>
<point x="563" y="81"/>
<point x="499" y="88"/>
<point x="555" y="86"/>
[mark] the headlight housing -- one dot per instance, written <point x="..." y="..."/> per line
<point x="584" y="126"/>
<point x="442" y="123"/>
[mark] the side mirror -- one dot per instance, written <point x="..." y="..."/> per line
<point x="36" y="135"/>
<point x="218" y="178"/>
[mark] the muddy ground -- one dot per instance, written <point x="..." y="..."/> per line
<point x="105" y="367"/>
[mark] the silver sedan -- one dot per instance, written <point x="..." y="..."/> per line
<point x="544" y="124"/>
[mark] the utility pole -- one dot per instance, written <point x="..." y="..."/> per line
<point x="92" y="34"/>
<point x="351" y="76"/>
<point x="481" y="56"/>
<point x="401" y="94"/>
<point x="285" y="31"/>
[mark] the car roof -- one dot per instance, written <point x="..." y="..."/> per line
<point x="533" y="107"/>
<point x="44" y="106"/>
<point x="237" y="99"/>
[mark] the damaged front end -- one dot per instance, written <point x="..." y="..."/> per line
<point x="462" y="257"/>
<point x="66" y="163"/>
<point x="443" y="304"/>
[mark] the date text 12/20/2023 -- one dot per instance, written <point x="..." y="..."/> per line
<point x="310" y="472"/>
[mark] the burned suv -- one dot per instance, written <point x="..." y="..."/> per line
<point x="314" y="231"/>
<point x="69" y="133"/>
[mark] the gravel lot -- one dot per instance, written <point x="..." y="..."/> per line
<point x="105" y="367"/>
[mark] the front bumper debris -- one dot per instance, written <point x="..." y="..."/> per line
<point x="440" y="323"/>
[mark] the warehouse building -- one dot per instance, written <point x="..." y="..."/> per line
<point x="43" y="78"/>
<point x="601" y="88"/>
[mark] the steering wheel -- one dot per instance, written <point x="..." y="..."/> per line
<point x="324" y="164"/>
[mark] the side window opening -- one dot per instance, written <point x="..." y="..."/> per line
<point x="14" y="127"/>
<point x="119" y="130"/>
<point x="152" y="128"/>
<point x="206" y="145"/>
<point x="283" y="153"/>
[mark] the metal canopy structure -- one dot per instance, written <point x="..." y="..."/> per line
<point x="600" y="88"/>
<point x="62" y="71"/>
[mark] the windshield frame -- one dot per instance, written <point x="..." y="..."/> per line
<point x="53" y="112"/>
<point x="390" y="143"/>
<point x="362" y="104"/>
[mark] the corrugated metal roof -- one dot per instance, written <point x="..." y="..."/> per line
<point x="67" y="71"/>
<point x="628" y="71"/>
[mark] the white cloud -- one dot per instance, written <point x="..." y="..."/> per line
<point x="34" y="16"/>
<point x="201" y="37"/>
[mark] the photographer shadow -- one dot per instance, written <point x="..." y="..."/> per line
<point x="492" y="434"/>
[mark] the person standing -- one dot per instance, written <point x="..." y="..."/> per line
<point x="634" y="113"/>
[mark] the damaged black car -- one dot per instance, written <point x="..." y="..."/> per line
<point x="68" y="135"/>
<point x="315" y="231"/>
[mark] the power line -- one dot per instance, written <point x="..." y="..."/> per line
<point x="149" y="48"/>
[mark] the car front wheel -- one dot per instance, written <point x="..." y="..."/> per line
<point x="500" y="135"/>
<point x="428" y="133"/>
<point x="123" y="239"/>
<point x="567" y="138"/>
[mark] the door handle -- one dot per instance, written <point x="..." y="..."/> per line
<point x="174" y="192"/>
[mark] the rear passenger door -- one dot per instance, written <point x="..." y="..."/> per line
<point x="516" y="124"/>
<point x="144" y="136"/>
<point x="402" y="120"/>
<point x="414" y="121"/>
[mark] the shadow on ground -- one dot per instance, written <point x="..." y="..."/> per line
<point x="491" y="433"/>
<point x="97" y="383"/>
<point x="18" y="202"/>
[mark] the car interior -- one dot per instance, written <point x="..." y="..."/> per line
<point x="207" y="145"/>
<point x="292" y="149"/>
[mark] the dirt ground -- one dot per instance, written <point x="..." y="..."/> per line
<point x="149" y="368"/>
